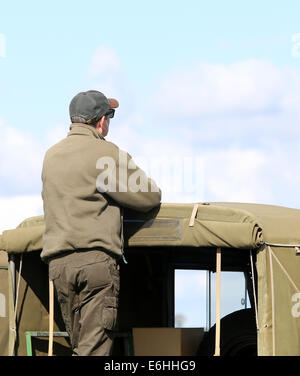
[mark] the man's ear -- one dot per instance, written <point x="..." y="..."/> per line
<point x="100" y="123"/>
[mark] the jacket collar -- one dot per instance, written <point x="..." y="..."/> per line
<point x="84" y="129"/>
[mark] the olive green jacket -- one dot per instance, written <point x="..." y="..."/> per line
<point x="86" y="182"/>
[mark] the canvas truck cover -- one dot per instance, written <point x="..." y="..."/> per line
<point x="272" y="231"/>
<point x="195" y="225"/>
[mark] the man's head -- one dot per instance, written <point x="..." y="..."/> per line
<point x="93" y="108"/>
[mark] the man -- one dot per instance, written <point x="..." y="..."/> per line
<point x="86" y="182"/>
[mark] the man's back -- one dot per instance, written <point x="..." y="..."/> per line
<point x="77" y="215"/>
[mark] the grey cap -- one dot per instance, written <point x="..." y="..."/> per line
<point x="91" y="106"/>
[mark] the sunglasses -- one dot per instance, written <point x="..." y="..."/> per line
<point x="110" y="113"/>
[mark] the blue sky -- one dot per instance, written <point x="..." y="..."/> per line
<point x="212" y="82"/>
<point x="50" y="44"/>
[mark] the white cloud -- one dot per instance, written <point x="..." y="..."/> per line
<point x="242" y="119"/>
<point x="258" y="172"/>
<point x="21" y="158"/>
<point x="237" y="175"/>
<point x="247" y="87"/>
<point x="104" y="72"/>
<point x="54" y="135"/>
<point x="104" y="61"/>
<point x="13" y="210"/>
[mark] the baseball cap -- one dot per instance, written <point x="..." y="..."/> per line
<point x="91" y="105"/>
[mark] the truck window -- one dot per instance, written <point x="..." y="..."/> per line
<point x="195" y="294"/>
<point x="190" y="298"/>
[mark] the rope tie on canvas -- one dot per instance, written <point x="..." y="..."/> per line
<point x="51" y="317"/>
<point x="218" y="303"/>
<point x="193" y="215"/>
<point x="18" y="286"/>
<point x="254" y="289"/>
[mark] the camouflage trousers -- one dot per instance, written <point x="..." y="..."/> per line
<point x="87" y="287"/>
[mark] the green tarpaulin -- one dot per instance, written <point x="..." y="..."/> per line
<point x="273" y="232"/>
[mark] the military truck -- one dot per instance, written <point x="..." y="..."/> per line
<point x="261" y="241"/>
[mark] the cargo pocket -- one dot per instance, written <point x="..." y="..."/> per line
<point x="115" y="276"/>
<point x="110" y="311"/>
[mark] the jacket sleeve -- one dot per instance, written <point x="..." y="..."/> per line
<point x="128" y="184"/>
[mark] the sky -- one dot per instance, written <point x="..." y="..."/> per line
<point x="208" y="90"/>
